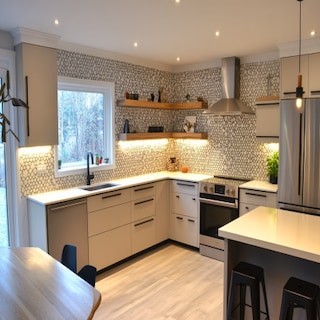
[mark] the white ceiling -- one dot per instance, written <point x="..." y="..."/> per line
<point x="165" y="29"/>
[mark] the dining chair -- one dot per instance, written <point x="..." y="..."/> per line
<point x="88" y="273"/>
<point x="69" y="257"/>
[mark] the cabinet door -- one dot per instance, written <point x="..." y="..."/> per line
<point x="184" y="229"/>
<point x="268" y="120"/>
<point x="143" y="234"/>
<point x="110" y="247"/>
<point x="245" y="208"/>
<point x="162" y="210"/>
<point x="314" y="74"/>
<point x="37" y="78"/>
<point x="289" y="75"/>
<point x="184" y="204"/>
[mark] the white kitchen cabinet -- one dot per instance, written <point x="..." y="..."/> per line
<point x="109" y="218"/>
<point x="310" y="70"/>
<point x="37" y="85"/>
<point x="184" y="219"/>
<point x="143" y="219"/>
<point x="289" y="71"/>
<point x="314" y="74"/>
<point x="162" y="210"/>
<point x="251" y="199"/>
<point x="268" y="119"/>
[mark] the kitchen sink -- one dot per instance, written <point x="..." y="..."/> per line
<point x="99" y="187"/>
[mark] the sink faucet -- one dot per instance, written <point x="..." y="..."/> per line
<point x="89" y="176"/>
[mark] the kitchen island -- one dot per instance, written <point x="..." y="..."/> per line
<point x="284" y="243"/>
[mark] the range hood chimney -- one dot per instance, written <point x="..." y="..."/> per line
<point x="230" y="105"/>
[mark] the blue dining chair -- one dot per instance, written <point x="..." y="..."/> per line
<point x="69" y="257"/>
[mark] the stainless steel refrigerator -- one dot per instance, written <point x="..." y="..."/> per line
<point x="299" y="169"/>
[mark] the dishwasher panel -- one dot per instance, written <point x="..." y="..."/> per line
<point x="68" y="224"/>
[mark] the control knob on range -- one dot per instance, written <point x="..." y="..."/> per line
<point x="211" y="189"/>
<point x="205" y="188"/>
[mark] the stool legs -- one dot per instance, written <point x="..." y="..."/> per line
<point x="299" y="294"/>
<point x="243" y="275"/>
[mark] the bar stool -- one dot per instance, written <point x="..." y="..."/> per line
<point x="298" y="293"/>
<point x="246" y="274"/>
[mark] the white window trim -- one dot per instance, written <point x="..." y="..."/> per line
<point x="72" y="84"/>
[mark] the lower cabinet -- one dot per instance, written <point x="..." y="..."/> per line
<point x="184" y="218"/>
<point x="109" y="227"/>
<point x="143" y="224"/>
<point x="184" y="229"/>
<point x="251" y="199"/>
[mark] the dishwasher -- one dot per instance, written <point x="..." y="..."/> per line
<point x="67" y="223"/>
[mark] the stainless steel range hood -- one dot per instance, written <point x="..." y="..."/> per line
<point x="230" y="105"/>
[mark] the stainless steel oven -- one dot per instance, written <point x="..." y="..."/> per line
<point x="218" y="206"/>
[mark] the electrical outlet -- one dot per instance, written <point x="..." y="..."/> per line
<point x="41" y="168"/>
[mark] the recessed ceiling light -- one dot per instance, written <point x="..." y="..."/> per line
<point x="56" y="22"/>
<point x="178" y="58"/>
<point x="135" y="44"/>
<point x="217" y="33"/>
<point x="177" y="1"/>
<point x="312" y="33"/>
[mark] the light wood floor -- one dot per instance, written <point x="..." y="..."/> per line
<point x="168" y="283"/>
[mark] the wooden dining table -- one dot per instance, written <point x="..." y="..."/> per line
<point x="33" y="285"/>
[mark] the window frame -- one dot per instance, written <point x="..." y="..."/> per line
<point x="107" y="88"/>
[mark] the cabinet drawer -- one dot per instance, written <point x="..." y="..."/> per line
<point x="110" y="247"/>
<point x="143" y="234"/>
<point x="186" y="187"/>
<point x="145" y="190"/>
<point x="184" y="204"/>
<point x="108" y="199"/>
<point x="258" y="198"/>
<point x="109" y="218"/>
<point x="143" y="208"/>
<point x="184" y="229"/>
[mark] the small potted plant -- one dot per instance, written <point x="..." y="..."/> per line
<point x="272" y="166"/>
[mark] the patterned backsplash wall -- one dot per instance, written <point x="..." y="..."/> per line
<point x="231" y="148"/>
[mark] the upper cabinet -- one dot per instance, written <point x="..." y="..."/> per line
<point x="268" y="118"/>
<point x="37" y="85"/>
<point x="310" y="70"/>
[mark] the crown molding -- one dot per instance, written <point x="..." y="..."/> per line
<point x="24" y="35"/>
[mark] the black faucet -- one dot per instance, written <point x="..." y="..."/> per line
<point x="89" y="176"/>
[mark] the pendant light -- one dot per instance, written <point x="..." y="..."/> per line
<point x="299" y="89"/>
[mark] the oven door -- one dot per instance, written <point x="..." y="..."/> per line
<point x="214" y="215"/>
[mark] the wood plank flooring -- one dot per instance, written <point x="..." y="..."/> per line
<point x="169" y="283"/>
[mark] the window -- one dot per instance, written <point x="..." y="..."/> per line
<point x="85" y="123"/>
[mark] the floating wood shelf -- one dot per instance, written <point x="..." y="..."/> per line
<point x="162" y="135"/>
<point x="162" y="105"/>
<point x="266" y="99"/>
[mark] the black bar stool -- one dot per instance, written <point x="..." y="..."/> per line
<point x="247" y="275"/>
<point x="302" y="294"/>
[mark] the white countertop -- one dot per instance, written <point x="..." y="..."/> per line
<point x="283" y="231"/>
<point x="260" y="186"/>
<point x="52" y="197"/>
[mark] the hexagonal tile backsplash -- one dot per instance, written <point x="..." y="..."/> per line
<point x="231" y="149"/>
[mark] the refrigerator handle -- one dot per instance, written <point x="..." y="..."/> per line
<point x="300" y="154"/>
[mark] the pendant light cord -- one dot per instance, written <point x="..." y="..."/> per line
<point x="300" y="37"/>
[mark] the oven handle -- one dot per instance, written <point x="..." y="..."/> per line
<point x="220" y="203"/>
